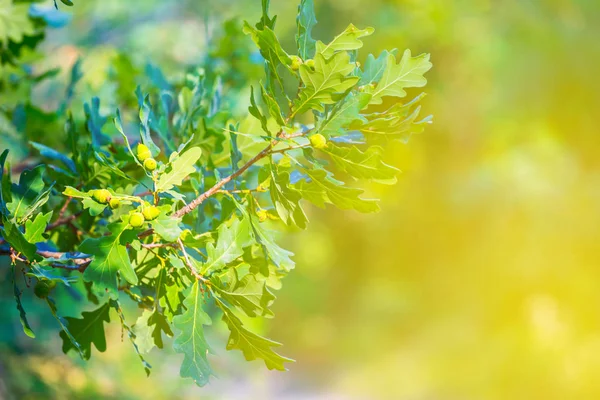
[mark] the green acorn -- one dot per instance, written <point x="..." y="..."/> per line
<point x="310" y="63"/>
<point x="318" y="141"/>
<point x="296" y="63"/>
<point x="150" y="213"/>
<point x="143" y="152"/>
<point x="136" y="219"/>
<point x="102" y="196"/>
<point x="114" y="203"/>
<point x="150" y="164"/>
<point x="42" y="288"/>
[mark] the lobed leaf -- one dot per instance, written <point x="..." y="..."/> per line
<point x="190" y="340"/>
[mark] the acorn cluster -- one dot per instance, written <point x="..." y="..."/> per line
<point x="297" y="62"/>
<point x="145" y="157"/>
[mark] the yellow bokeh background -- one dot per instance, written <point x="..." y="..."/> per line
<point x="480" y="277"/>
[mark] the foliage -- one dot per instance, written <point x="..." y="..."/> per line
<point x="181" y="219"/>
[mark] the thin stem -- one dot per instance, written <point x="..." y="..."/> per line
<point x="193" y="269"/>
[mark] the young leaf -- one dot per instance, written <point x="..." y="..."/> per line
<point x="398" y="122"/>
<point x="69" y="341"/>
<point x="397" y="77"/>
<point x="344" y="114"/>
<point x="374" y="67"/>
<point x="367" y="165"/>
<point x="286" y="199"/>
<point x="12" y="234"/>
<point x="145" y="113"/>
<point x="132" y="338"/>
<point x="87" y="330"/>
<point x="3" y="210"/>
<point x="323" y="85"/>
<point x="35" y="228"/>
<point x="248" y="294"/>
<point x="27" y="192"/>
<point x="22" y="314"/>
<point x="305" y="22"/>
<point x="161" y="325"/>
<point x="190" y="339"/>
<point x="269" y="46"/>
<point x="347" y="40"/>
<point x="110" y="256"/>
<point x="251" y="345"/>
<point x="181" y="167"/>
<point x="143" y="333"/>
<point x="166" y="226"/>
<point x="230" y="245"/>
<point x="323" y="189"/>
<point x="55" y="155"/>
<point x="95" y="122"/>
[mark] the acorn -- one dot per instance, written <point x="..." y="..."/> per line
<point x="143" y="152"/>
<point x="114" y="203"/>
<point x="296" y="62"/>
<point x="150" y="213"/>
<point x="136" y="219"/>
<point x="318" y="141"/>
<point x="310" y="63"/>
<point x="150" y="164"/>
<point x="42" y="288"/>
<point x="102" y="196"/>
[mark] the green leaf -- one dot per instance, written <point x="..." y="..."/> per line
<point x="286" y="199"/>
<point x="69" y="341"/>
<point x="345" y="41"/>
<point x="131" y="334"/>
<point x="87" y="330"/>
<point x="34" y="229"/>
<point x="143" y="333"/>
<point x="87" y="201"/>
<point x="279" y="256"/>
<point x="95" y="122"/>
<point x="324" y="84"/>
<point x="272" y="106"/>
<point x="110" y="257"/>
<point x="52" y="154"/>
<point x="269" y="46"/>
<point x="181" y="167"/>
<point x="144" y="114"/>
<point x="305" y="22"/>
<point x="190" y="340"/>
<point x="255" y="112"/>
<point x="252" y="346"/>
<point x="248" y="293"/>
<point x="397" y="77"/>
<point x="3" y="196"/>
<point x="159" y="320"/>
<point x="26" y="193"/>
<point x="230" y="245"/>
<point x="48" y="275"/>
<point x="398" y="122"/>
<point x="14" y="237"/>
<point x="15" y="23"/>
<point x="367" y="165"/>
<point x="166" y="226"/>
<point x="323" y="189"/>
<point x="22" y="314"/>
<point x="374" y="67"/>
<point x="344" y="114"/>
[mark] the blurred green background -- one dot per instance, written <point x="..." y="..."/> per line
<point x="480" y="278"/>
